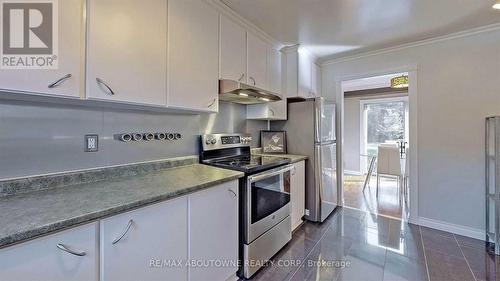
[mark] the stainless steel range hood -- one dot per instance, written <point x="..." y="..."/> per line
<point x="238" y="92"/>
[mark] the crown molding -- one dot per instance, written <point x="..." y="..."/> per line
<point x="227" y="11"/>
<point x="451" y="36"/>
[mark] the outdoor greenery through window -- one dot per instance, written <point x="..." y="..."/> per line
<point x="385" y="122"/>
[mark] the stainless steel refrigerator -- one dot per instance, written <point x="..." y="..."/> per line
<point x="310" y="130"/>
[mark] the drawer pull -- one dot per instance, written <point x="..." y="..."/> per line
<point x="108" y="88"/>
<point x="234" y="193"/>
<point x="127" y="228"/>
<point x="64" y="248"/>
<point x="241" y="77"/>
<point x="59" y="81"/>
<point x="212" y="103"/>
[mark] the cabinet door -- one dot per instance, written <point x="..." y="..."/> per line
<point x="305" y="74"/>
<point x="257" y="61"/>
<point x="68" y="75"/>
<point x="150" y="236"/>
<point x="213" y="231"/>
<point x="274" y="71"/>
<point x="45" y="258"/>
<point x="298" y="193"/>
<point x="314" y="80"/>
<point x="233" y="50"/>
<point x="193" y="55"/>
<point x="127" y="43"/>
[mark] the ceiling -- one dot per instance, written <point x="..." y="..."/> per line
<point x="336" y="28"/>
<point x="375" y="82"/>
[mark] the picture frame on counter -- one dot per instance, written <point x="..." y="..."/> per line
<point x="273" y="142"/>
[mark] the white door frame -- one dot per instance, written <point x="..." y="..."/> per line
<point x="412" y="71"/>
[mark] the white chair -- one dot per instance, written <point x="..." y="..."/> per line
<point x="389" y="164"/>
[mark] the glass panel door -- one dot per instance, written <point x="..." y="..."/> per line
<point x="269" y="195"/>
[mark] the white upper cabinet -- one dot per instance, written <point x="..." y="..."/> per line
<point x="301" y="73"/>
<point x="233" y="50"/>
<point x="256" y="61"/>
<point x="193" y="55"/>
<point x="271" y="110"/>
<point x="130" y="241"/>
<point x="126" y="48"/>
<point x="305" y="74"/>
<point x="70" y="255"/>
<point x="67" y="79"/>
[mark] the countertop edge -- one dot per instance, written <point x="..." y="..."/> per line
<point x="38" y="232"/>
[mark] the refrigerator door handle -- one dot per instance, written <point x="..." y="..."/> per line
<point x="317" y="174"/>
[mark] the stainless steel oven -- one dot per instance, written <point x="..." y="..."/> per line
<point x="267" y="198"/>
<point x="266" y="217"/>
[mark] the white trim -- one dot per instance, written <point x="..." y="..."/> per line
<point x="453" y="228"/>
<point x="456" y="35"/>
<point x="413" y="140"/>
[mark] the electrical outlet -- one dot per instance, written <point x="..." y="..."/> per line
<point x="91" y="143"/>
<point x="306" y="212"/>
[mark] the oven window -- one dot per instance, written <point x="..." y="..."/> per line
<point x="269" y="195"/>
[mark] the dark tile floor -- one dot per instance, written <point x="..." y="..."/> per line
<point x="356" y="246"/>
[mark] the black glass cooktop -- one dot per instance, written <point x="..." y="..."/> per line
<point x="249" y="164"/>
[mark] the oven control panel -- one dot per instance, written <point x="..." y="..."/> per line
<point x="221" y="141"/>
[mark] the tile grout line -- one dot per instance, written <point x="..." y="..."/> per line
<point x="425" y="255"/>
<point x="308" y="254"/>
<point x="466" y="261"/>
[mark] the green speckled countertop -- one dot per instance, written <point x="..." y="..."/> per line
<point x="28" y="215"/>
<point x="293" y="157"/>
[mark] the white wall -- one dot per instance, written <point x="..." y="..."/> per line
<point x="458" y="86"/>
<point x="352" y="135"/>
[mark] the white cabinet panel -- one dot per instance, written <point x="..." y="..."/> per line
<point x="233" y="50"/>
<point x="305" y="74"/>
<point x="274" y="70"/>
<point x="157" y="232"/>
<point x="126" y="49"/>
<point x="70" y="51"/>
<point x="41" y="259"/>
<point x="298" y="193"/>
<point x="213" y="227"/>
<point x="257" y="61"/>
<point x="193" y="55"/>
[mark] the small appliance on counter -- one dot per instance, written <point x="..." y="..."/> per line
<point x="265" y="223"/>
<point x="310" y="130"/>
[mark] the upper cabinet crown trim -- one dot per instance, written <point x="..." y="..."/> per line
<point x="227" y="11"/>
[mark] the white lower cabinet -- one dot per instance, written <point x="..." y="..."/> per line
<point x="298" y="193"/>
<point x="213" y="239"/>
<point x="139" y="245"/>
<point x="194" y="237"/>
<point x="70" y="255"/>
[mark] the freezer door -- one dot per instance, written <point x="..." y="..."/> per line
<point x="325" y="120"/>
<point x="326" y="178"/>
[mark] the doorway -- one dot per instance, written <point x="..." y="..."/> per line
<point x="375" y="145"/>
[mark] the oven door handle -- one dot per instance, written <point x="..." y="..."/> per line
<point x="270" y="173"/>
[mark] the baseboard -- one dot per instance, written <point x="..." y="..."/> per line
<point x="353" y="173"/>
<point x="450" y="227"/>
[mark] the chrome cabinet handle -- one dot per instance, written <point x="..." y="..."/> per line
<point x="101" y="82"/>
<point x="212" y="103"/>
<point x="294" y="170"/>
<point x="234" y="193"/>
<point x="59" y="81"/>
<point x="64" y="248"/>
<point x="253" y="80"/>
<point x="241" y="77"/>
<point x="127" y="228"/>
<point x="272" y="112"/>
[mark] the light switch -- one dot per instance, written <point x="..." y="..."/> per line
<point x="91" y="143"/>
